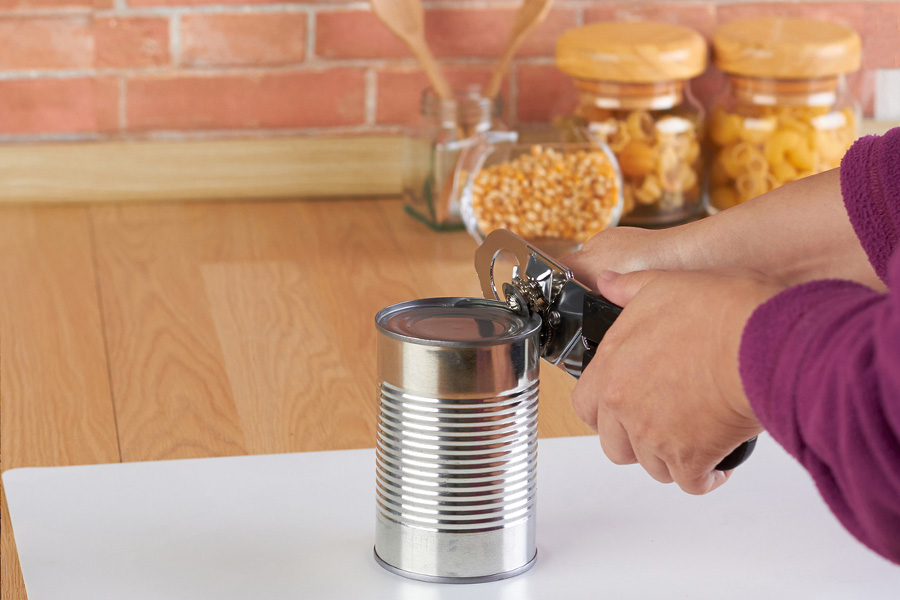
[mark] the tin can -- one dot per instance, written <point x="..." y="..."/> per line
<point x="456" y="450"/>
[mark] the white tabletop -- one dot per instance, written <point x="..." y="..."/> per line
<point x="295" y="526"/>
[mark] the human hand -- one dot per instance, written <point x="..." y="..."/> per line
<point x="627" y="249"/>
<point x="663" y="388"/>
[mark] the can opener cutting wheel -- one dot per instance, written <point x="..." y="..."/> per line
<point x="574" y="319"/>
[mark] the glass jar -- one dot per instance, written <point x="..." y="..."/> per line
<point x="633" y="95"/>
<point x="556" y="196"/>
<point x="446" y="126"/>
<point x="785" y="112"/>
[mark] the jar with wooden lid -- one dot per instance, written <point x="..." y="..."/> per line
<point x="785" y="112"/>
<point x="633" y="95"/>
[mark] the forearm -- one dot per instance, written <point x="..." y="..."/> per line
<point x="796" y="233"/>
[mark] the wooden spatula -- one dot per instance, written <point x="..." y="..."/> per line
<point x="406" y="20"/>
<point x="530" y="15"/>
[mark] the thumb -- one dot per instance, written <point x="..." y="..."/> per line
<point x="621" y="288"/>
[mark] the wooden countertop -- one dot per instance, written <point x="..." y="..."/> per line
<point x="133" y="333"/>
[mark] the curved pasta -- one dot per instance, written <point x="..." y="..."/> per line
<point x="640" y="125"/>
<point x="784" y="172"/>
<point x="650" y="190"/>
<point x="755" y="131"/>
<point x="779" y="143"/>
<point x="723" y="196"/>
<point x="717" y="173"/>
<point x="687" y="177"/>
<point x="618" y="137"/>
<point x="637" y="159"/>
<point x="750" y="186"/>
<point x="740" y="155"/>
<point x="724" y="128"/>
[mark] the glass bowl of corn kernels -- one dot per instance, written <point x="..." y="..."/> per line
<point x="556" y="196"/>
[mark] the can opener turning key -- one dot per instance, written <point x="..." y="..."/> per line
<point x="574" y="319"/>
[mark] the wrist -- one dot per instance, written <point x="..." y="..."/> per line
<point x="746" y="300"/>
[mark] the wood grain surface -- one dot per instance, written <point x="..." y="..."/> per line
<point x="55" y="404"/>
<point x="147" y="332"/>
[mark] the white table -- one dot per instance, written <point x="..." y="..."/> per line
<point x="295" y="526"/>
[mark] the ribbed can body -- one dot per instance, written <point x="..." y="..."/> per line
<point x="456" y="456"/>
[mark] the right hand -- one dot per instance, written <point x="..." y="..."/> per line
<point x="627" y="249"/>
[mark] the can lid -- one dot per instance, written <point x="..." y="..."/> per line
<point x="455" y="322"/>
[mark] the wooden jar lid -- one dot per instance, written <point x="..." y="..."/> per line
<point x="784" y="48"/>
<point x="632" y="52"/>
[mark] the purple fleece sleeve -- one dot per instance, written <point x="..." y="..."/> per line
<point x="820" y="362"/>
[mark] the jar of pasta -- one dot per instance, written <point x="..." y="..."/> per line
<point x="632" y="81"/>
<point x="785" y="112"/>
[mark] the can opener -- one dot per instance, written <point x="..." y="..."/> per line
<point x="574" y="319"/>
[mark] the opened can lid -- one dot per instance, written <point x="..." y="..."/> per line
<point x="455" y="322"/>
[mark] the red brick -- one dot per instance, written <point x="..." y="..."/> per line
<point x="881" y="41"/>
<point x="46" y="43"/>
<point x="543" y="93"/>
<point x="131" y="42"/>
<point x="58" y="106"/>
<point x="700" y="16"/>
<point x="399" y="93"/>
<point x="238" y="39"/>
<point x="483" y="32"/>
<point x="355" y="34"/>
<point x="277" y="100"/>
<point x="144" y="3"/>
<point x="50" y="5"/>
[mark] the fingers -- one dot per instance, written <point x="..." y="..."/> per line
<point x="702" y="483"/>
<point x="614" y="439"/>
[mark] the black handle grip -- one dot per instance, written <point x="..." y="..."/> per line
<point x="599" y="315"/>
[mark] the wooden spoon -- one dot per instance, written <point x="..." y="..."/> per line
<point x="530" y="15"/>
<point x="406" y="20"/>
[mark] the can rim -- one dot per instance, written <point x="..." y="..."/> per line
<point x="530" y="326"/>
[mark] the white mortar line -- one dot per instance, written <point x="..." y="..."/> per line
<point x="175" y="40"/>
<point x="371" y="105"/>
<point x="310" y="35"/>
<point x="123" y="105"/>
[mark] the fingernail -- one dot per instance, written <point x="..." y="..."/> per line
<point x="608" y="275"/>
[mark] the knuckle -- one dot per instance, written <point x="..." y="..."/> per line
<point x="617" y="456"/>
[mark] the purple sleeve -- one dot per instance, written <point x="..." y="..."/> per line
<point x="820" y="362"/>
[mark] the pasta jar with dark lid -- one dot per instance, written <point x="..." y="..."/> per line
<point x="785" y="112"/>
<point x="633" y="95"/>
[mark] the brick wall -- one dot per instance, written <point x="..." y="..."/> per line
<point x="96" y="69"/>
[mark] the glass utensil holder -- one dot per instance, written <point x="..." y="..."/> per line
<point x="446" y="126"/>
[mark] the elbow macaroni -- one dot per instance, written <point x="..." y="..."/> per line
<point x="659" y="154"/>
<point x="755" y="153"/>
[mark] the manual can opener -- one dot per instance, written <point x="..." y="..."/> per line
<point x="574" y="319"/>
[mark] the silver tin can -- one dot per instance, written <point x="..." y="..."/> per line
<point x="456" y="451"/>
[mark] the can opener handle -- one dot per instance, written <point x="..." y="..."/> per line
<point x="574" y="318"/>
